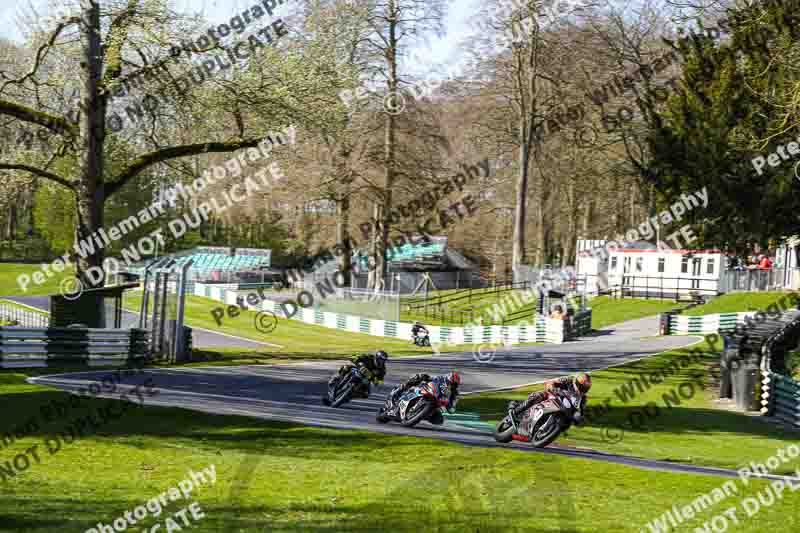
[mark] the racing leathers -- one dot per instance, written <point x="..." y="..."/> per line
<point x="565" y="383"/>
<point x="368" y="365"/>
<point x="443" y="386"/>
<point x="418" y="330"/>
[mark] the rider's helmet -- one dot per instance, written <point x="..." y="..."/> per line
<point x="381" y="357"/>
<point x="583" y="383"/>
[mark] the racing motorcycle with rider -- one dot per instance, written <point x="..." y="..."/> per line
<point x="420" y="334"/>
<point x="353" y="380"/>
<point x="546" y="414"/>
<point x="420" y="398"/>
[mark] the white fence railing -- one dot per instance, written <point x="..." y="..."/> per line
<point x="23" y="317"/>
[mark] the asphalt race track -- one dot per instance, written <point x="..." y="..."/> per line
<point x="293" y="392"/>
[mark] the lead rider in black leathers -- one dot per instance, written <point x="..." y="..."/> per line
<point x="446" y="384"/>
<point x="372" y="366"/>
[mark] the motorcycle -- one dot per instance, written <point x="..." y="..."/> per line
<point x="422" y="340"/>
<point x="342" y="391"/>
<point x="414" y="406"/>
<point x="543" y="422"/>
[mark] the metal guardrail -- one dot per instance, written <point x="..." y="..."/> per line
<point x="653" y="287"/>
<point x="751" y="280"/>
<point x="23" y="317"/>
<point x="73" y="345"/>
<point x="780" y="398"/>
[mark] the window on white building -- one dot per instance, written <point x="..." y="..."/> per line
<point x="614" y="263"/>
<point x="639" y="262"/>
<point x="710" y="267"/>
<point x="685" y="265"/>
<point x="661" y="262"/>
<point x="627" y="265"/>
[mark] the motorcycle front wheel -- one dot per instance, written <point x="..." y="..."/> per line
<point x="381" y="417"/>
<point x="547" y="432"/>
<point x="344" y="393"/>
<point x="504" y="431"/>
<point x="421" y="410"/>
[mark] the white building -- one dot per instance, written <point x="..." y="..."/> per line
<point x="787" y="259"/>
<point x="641" y="269"/>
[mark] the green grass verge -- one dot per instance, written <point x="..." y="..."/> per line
<point x="297" y="340"/>
<point x="607" y="311"/>
<point x="285" y="478"/>
<point x="694" y="431"/>
<point x="10" y="303"/>
<point x="461" y="311"/>
<point x="738" y="302"/>
<point x="10" y="272"/>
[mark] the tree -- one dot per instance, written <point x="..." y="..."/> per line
<point x="393" y="23"/>
<point x="723" y="117"/>
<point x="120" y="44"/>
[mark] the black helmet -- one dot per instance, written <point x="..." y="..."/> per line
<point x="381" y="357"/>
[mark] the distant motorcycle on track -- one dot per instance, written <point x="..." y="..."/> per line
<point x="422" y="340"/>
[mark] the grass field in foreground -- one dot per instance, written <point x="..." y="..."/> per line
<point x="740" y="301"/>
<point x="607" y="311"/>
<point x="280" y="477"/>
<point x="693" y="431"/>
<point x="9" y="286"/>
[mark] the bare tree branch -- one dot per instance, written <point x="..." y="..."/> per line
<point x="39" y="172"/>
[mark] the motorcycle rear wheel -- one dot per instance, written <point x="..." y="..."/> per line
<point x="423" y="414"/>
<point x="552" y="427"/>
<point x="504" y="431"/>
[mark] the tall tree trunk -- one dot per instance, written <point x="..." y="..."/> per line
<point x="374" y="277"/>
<point x="90" y="193"/>
<point x="587" y="219"/>
<point x="343" y="234"/>
<point x="390" y="142"/>
<point x="521" y="208"/>
<point x="540" y="257"/>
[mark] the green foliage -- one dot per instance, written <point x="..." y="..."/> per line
<point x="54" y="215"/>
<point x="716" y="124"/>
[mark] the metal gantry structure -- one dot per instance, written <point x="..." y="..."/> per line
<point x="165" y="280"/>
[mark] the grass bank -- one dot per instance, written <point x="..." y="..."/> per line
<point x="286" y="478"/>
<point x="607" y="311"/>
<point x="294" y="340"/>
<point x="738" y="302"/>
<point x="10" y="286"/>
